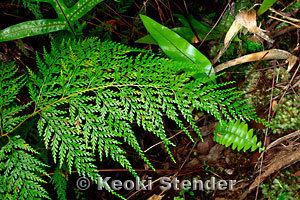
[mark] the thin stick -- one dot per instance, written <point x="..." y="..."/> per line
<point x="282" y="20"/>
<point x="284" y="15"/>
<point x="219" y="19"/>
<point x="284" y="138"/>
<point x="289" y="84"/>
<point x="266" y="134"/>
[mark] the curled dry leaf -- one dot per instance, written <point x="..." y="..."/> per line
<point x="245" y="19"/>
<point x="248" y="20"/>
<point x="291" y="61"/>
<point x="272" y="54"/>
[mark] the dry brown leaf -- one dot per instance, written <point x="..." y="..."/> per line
<point x="272" y="54"/>
<point x="195" y="40"/>
<point x="248" y="20"/>
<point x="274" y="104"/>
<point x="231" y="33"/>
<point x="291" y="62"/>
<point x="296" y="174"/>
<point x="245" y="19"/>
<point x="155" y="197"/>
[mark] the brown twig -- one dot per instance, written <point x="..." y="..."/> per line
<point x="282" y="139"/>
<point x="219" y="19"/>
<point x="282" y="20"/>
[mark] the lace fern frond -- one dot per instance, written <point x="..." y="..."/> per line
<point x="20" y="172"/>
<point x="238" y="135"/>
<point x="89" y="94"/>
<point x="10" y="85"/>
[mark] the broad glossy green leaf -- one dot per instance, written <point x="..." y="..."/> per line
<point x="81" y="8"/>
<point x="175" y="46"/>
<point x="31" y="28"/>
<point x="201" y="28"/>
<point x="184" y="32"/>
<point x="265" y="6"/>
<point x="147" y="39"/>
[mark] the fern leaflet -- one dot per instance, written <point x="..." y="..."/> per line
<point x="236" y="133"/>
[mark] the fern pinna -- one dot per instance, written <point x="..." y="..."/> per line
<point x="236" y="133"/>
<point x="88" y="94"/>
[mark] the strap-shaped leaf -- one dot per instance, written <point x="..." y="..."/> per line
<point x="236" y="133"/>
<point x="190" y="28"/>
<point x="66" y="19"/>
<point x="32" y="28"/>
<point x="184" y="32"/>
<point x="175" y="46"/>
<point x="265" y="6"/>
<point x="80" y="9"/>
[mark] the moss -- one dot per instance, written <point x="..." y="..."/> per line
<point x="284" y="187"/>
<point x="257" y="85"/>
<point x="281" y="74"/>
<point x="254" y="92"/>
<point x="287" y="114"/>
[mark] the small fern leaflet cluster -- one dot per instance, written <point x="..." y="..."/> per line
<point x="59" y="181"/>
<point x="238" y="135"/>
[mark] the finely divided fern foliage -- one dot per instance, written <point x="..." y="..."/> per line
<point x="59" y="181"/>
<point x="10" y="85"/>
<point x="21" y="172"/>
<point x="88" y="94"/>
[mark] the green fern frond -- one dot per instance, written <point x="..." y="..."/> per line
<point x="89" y="94"/>
<point x="59" y="181"/>
<point x="238" y="135"/>
<point x="21" y="172"/>
<point x="34" y="7"/>
<point x="10" y="85"/>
